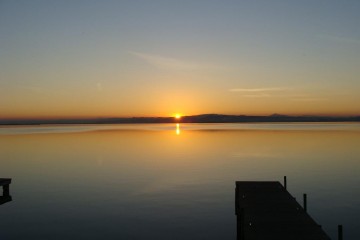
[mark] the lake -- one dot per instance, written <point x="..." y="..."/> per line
<point x="168" y="181"/>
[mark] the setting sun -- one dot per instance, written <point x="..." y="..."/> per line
<point x="177" y="116"/>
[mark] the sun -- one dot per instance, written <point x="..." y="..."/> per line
<point x="177" y="116"/>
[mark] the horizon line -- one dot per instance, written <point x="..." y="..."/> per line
<point x="170" y="117"/>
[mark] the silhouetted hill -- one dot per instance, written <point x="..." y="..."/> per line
<point x="217" y="118"/>
<point x="203" y="118"/>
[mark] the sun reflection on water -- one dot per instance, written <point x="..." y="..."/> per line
<point x="178" y="129"/>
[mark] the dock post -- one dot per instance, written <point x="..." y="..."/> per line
<point x="285" y="183"/>
<point x="6" y="190"/>
<point x="305" y="202"/>
<point x="340" y="232"/>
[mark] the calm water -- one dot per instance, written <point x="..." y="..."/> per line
<point x="170" y="182"/>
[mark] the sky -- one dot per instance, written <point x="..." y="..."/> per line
<point x="62" y="59"/>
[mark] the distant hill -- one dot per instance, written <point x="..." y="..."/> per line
<point x="203" y="118"/>
<point x="217" y="118"/>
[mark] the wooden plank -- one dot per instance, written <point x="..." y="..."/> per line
<point x="266" y="210"/>
<point x="5" y="181"/>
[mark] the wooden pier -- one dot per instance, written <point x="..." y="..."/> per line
<point x="266" y="210"/>
<point x="5" y="184"/>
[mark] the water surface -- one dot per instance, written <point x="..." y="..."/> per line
<point x="162" y="181"/>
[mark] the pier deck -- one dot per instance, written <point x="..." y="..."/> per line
<point x="266" y="210"/>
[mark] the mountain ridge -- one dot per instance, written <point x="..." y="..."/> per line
<point x="201" y="118"/>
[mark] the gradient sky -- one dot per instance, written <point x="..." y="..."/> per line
<point x="156" y="58"/>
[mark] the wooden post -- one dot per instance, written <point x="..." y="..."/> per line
<point x="6" y="190"/>
<point x="305" y="202"/>
<point x="285" y="183"/>
<point x="340" y="232"/>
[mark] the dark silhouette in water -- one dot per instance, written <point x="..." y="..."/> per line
<point x="266" y="210"/>
<point x="204" y="118"/>
<point x="5" y="184"/>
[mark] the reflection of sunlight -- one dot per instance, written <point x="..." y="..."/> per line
<point x="178" y="129"/>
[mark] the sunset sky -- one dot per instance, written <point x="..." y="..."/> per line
<point x="157" y="58"/>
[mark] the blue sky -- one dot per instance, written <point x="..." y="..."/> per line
<point x="135" y="58"/>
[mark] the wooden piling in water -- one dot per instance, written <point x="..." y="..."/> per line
<point x="5" y="183"/>
<point x="340" y="232"/>
<point x="305" y="202"/>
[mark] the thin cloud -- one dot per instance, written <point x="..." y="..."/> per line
<point x="259" y="90"/>
<point x="32" y="88"/>
<point x="41" y="91"/>
<point x="309" y="99"/>
<point x="342" y="40"/>
<point x="257" y="95"/>
<point x="171" y="63"/>
<point x="255" y="155"/>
